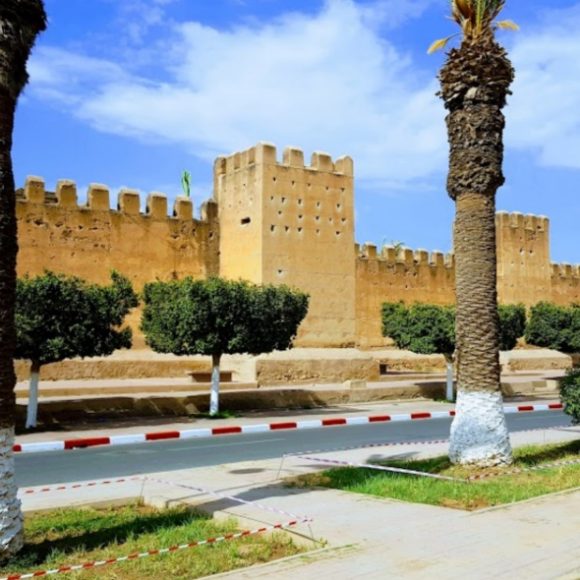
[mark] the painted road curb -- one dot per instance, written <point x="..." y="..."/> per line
<point x="84" y="443"/>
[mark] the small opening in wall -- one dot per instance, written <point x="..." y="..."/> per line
<point x="318" y="204"/>
<point x="317" y="218"/>
<point x="271" y="198"/>
<point x="300" y="202"/>
<point x="299" y="230"/>
<point x="272" y="228"/>
<point x="286" y="229"/>
<point x="383" y="369"/>
<point x="317" y="232"/>
<point x="343" y="220"/>
<point x="339" y="206"/>
<point x="279" y="212"/>
<point x="293" y="183"/>
<point x="338" y="234"/>
<point x="283" y="200"/>
<point x="280" y="272"/>
<point x="245" y="221"/>
<point x="274" y="179"/>
<point x="329" y="220"/>
<point x="327" y="188"/>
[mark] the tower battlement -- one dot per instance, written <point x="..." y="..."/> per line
<point x="266" y="154"/>
<point x="390" y="256"/>
<point x="98" y="199"/>
<point x="522" y="221"/>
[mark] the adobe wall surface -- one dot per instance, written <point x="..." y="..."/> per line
<point x="279" y="222"/>
<point x="288" y="223"/>
<point x="393" y="276"/>
<point x="89" y="241"/>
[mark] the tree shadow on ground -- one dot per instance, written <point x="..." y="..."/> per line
<point x="70" y="541"/>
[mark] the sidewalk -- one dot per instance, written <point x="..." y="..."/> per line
<point x="367" y="537"/>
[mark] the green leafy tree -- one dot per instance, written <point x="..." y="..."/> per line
<point x="512" y="325"/>
<point x="216" y="317"/>
<point x="60" y="317"/>
<point x="430" y="329"/>
<point x="20" y="23"/>
<point x="475" y="82"/>
<point x="555" y="327"/>
<point x="570" y="394"/>
<point x="423" y="329"/>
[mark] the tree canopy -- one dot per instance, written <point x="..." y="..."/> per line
<point x="216" y="316"/>
<point x="430" y="329"/>
<point x="555" y="327"/>
<point x="60" y="317"/>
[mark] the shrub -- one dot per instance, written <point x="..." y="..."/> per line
<point x="512" y="325"/>
<point x="570" y="394"/>
<point x="555" y="327"/>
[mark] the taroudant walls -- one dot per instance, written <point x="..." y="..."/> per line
<point x="56" y="233"/>
<point x="277" y="222"/>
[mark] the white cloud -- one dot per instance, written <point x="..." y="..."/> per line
<point x="330" y="81"/>
<point x="544" y="112"/>
<point x="322" y="82"/>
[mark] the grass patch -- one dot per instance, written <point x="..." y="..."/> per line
<point x="76" y="536"/>
<point x="474" y="495"/>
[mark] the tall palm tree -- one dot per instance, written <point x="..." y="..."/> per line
<point x="20" y="23"/>
<point x="475" y="82"/>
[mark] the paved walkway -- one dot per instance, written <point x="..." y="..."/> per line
<point x="373" y="538"/>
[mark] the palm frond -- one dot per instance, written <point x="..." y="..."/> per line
<point x="477" y="19"/>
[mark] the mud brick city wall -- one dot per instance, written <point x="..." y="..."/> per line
<point x="279" y="221"/>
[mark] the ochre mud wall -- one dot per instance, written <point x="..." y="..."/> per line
<point x="273" y="221"/>
<point x="90" y="240"/>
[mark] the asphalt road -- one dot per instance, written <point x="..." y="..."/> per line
<point x="116" y="461"/>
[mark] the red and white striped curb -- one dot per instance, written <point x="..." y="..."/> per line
<point x="141" y="555"/>
<point x="69" y="444"/>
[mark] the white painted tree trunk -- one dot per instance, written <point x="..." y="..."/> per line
<point x="479" y="432"/>
<point x="449" y="392"/>
<point x="214" y="402"/>
<point x="11" y="521"/>
<point x="32" y="407"/>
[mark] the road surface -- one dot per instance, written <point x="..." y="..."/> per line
<point x="116" y="461"/>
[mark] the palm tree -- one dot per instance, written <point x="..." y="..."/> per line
<point x="475" y="82"/>
<point x="20" y="23"/>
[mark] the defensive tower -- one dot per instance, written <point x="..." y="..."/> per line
<point x="287" y="223"/>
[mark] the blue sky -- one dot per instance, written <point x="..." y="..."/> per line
<point x="130" y="93"/>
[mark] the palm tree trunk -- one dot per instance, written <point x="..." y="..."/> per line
<point x="10" y="514"/>
<point x="475" y="83"/>
<point x="478" y="433"/>
<point x="20" y="23"/>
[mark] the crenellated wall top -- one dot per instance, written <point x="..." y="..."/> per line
<point x="266" y="154"/>
<point x="389" y="255"/>
<point x="98" y="198"/>
<point x="522" y="221"/>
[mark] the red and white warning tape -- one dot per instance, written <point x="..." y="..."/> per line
<point x="69" y="486"/>
<point x="515" y="471"/>
<point x="83" y="443"/>
<point x="230" y="497"/>
<point x="141" y="555"/>
<point x="145" y="479"/>
<point x="380" y="468"/>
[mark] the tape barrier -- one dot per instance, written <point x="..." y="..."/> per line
<point x="148" y="553"/>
